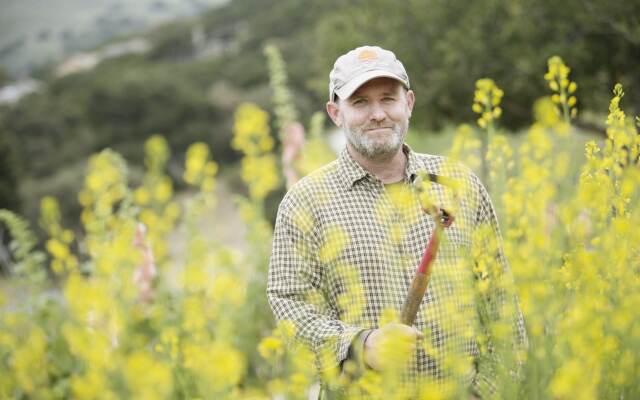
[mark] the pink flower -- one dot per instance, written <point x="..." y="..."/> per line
<point x="292" y="144"/>
<point x="145" y="273"/>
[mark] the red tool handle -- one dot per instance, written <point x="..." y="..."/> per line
<point x="420" y="280"/>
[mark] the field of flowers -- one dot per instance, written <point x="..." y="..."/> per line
<point x="104" y="317"/>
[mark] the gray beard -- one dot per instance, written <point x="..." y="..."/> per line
<point x="370" y="147"/>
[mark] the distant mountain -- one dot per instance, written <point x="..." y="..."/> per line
<point x="33" y="34"/>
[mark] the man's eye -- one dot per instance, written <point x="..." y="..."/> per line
<point x="388" y="99"/>
<point x="359" y="102"/>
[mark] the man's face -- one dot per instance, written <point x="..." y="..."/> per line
<point x="375" y="118"/>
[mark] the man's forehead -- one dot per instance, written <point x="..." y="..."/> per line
<point x="382" y="85"/>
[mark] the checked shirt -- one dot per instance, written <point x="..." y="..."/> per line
<point x="346" y="248"/>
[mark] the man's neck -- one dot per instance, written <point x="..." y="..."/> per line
<point x="389" y="169"/>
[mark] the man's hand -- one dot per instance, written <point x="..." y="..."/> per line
<point x="390" y="346"/>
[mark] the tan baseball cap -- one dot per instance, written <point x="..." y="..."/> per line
<point x="359" y="66"/>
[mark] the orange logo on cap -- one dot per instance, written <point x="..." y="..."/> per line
<point x="366" y="55"/>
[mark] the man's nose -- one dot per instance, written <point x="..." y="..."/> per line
<point x="377" y="112"/>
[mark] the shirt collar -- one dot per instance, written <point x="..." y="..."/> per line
<point x="413" y="164"/>
<point x="351" y="172"/>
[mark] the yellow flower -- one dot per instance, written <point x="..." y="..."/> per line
<point x="572" y="87"/>
<point x="315" y="153"/>
<point x="276" y="388"/>
<point x="163" y="191"/>
<point x="251" y="130"/>
<point x="67" y="236"/>
<point x="227" y="371"/>
<point x="91" y="385"/>
<point x="286" y="329"/>
<point x="545" y="112"/>
<point x="465" y="147"/>
<point x="497" y="112"/>
<point x="336" y="239"/>
<point x="271" y="348"/>
<point x="298" y="383"/>
<point x="157" y="153"/>
<point x="228" y="289"/>
<point x="141" y="196"/>
<point x="29" y="362"/>
<point x="487" y="97"/>
<point x="57" y="249"/>
<point x="50" y="213"/>
<point x="147" y="377"/>
<point x="197" y="155"/>
<point x="261" y="175"/>
<point x="194" y="313"/>
<point x="570" y="381"/>
<point x="557" y="78"/>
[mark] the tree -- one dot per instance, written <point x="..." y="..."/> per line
<point x="9" y="197"/>
<point x="447" y="45"/>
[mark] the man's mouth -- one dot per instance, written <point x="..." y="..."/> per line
<point x="379" y="129"/>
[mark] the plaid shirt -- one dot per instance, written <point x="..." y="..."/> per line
<point x="345" y="249"/>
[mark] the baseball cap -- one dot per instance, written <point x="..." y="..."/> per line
<point x="360" y="65"/>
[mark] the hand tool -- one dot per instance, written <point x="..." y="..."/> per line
<point x="443" y="219"/>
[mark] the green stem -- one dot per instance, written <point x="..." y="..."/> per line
<point x="565" y="107"/>
<point x="486" y="139"/>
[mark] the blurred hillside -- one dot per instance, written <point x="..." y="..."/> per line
<point x="187" y="80"/>
<point x="33" y="34"/>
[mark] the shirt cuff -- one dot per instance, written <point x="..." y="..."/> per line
<point x="354" y="363"/>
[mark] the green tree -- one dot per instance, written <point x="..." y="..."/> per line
<point x="447" y="46"/>
<point x="4" y="77"/>
<point x="9" y="196"/>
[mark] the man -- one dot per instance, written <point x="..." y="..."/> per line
<point x="349" y="236"/>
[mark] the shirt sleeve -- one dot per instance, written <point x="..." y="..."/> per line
<point x="502" y="322"/>
<point x="295" y="294"/>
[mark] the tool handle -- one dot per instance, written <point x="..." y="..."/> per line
<point x="420" y="281"/>
<point x="414" y="298"/>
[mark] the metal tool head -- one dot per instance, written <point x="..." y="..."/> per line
<point x="444" y="216"/>
<point x="446" y="219"/>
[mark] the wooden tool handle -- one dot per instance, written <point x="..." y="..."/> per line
<point x="414" y="298"/>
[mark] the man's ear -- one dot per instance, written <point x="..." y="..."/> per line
<point x="334" y="112"/>
<point x="411" y="100"/>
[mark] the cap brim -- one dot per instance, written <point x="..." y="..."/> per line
<point x="347" y="90"/>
